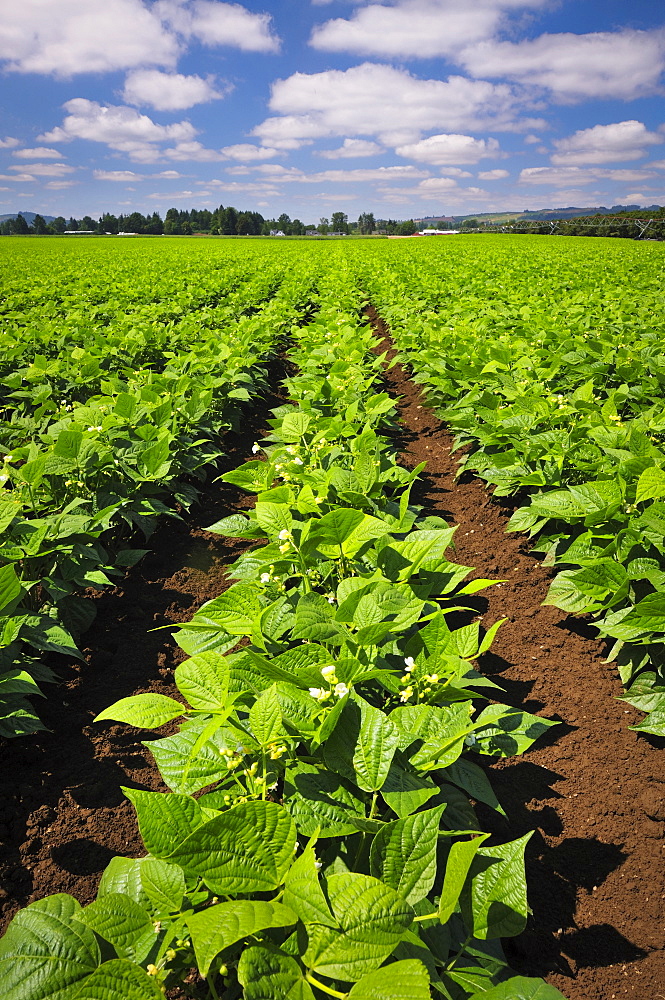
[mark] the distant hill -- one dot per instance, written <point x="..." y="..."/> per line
<point x="545" y="214"/>
<point x="28" y="216"/>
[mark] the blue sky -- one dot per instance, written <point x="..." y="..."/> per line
<point x="404" y="108"/>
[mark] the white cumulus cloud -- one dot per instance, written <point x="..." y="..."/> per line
<point x="620" y="64"/>
<point x="214" y="23"/>
<point x="492" y="175"/>
<point x="38" y="153"/>
<point x="386" y="102"/>
<point x="247" y="151"/>
<point x="352" y="148"/>
<point x="415" y="29"/>
<point x="66" y="37"/>
<point x="168" y="91"/>
<point x="9" y="142"/>
<point x="117" y="126"/>
<point x="45" y="169"/>
<point x="120" y="176"/>
<point x="190" y="150"/>
<point x="441" y="150"/>
<point x="17" y="177"/>
<point x="627" y="140"/>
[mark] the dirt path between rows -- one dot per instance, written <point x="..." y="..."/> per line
<point x="64" y="816"/>
<point x="594" y="792"/>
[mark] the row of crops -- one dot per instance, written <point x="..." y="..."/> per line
<point x="319" y="837"/>
<point x="116" y="389"/>
<point x="550" y="366"/>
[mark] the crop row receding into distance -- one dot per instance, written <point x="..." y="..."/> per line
<point x="321" y="736"/>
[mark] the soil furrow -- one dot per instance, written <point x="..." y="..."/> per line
<point x="594" y="792"/>
<point x="64" y="816"/>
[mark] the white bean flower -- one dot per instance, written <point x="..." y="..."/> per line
<point x="319" y="693"/>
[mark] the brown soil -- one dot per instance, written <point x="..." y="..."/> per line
<point x="593" y="791"/>
<point x="64" y="816"/>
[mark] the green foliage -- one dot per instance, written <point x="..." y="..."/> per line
<point x="333" y="754"/>
<point x="546" y="358"/>
<point x="116" y="387"/>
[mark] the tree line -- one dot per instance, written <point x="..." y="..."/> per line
<point x="223" y="221"/>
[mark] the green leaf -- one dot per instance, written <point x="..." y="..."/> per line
<point x="234" y="611"/>
<point x="9" y="509"/>
<point x="247" y="849"/>
<point x="203" y="679"/>
<point x="186" y="763"/>
<point x="234" y="526"/>
<point x="274" y="517"/>
<point x="268" y="974"/>
<point x="404" y="791"/>
<point x="520" y="988"/>
<point x="372" y="919"/>
<point x="155" y="458"/>
<point x="119" y="980"/>
<point x="124" y="875"/>
<point x="653" y="723"/>
<point x="130" y="557"/>
<point x="253" y="476"/>
<point x="403" y="854"/>
<point x="315" y="619"/>
<point x="401" y="560"/>
<point x="362" y="745"/>
<point x="265" y="717"/>
<point x="494" y="900"/>
<point x="467" y="775"/>
<point x="10" y="589"/>
<point x="145" y="711"/>
<point x="650" y="485"/>
<point x="406" y="980"/>
<point x="344" y="529"/>
<point x="322" y="802"/>
<point x="165" y="820"/>
<point x="460" y="858"/>
<point x="294" y="425"/>
<point x="121" y="922"/>
<point x="46" y="953"/>
<point x="336" y="526"/>
<point x="163" y="883"/>
<point x="503" y="731"/>
<point x="303" y="892"/>
<point x="220" y="926"/>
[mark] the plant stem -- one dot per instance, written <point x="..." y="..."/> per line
<point x="453" y="962"/>
<point x="210" y="980"/>
<point x="326" y="989"/>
